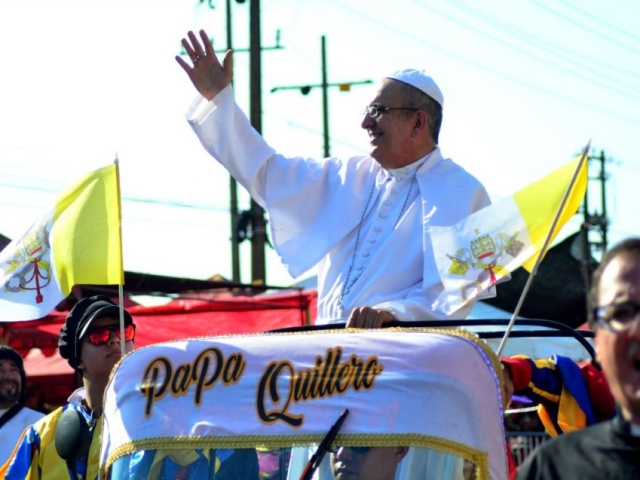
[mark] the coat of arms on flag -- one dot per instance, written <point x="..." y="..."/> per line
<point x="484" y="260"/>
<point x="28" y="264"/>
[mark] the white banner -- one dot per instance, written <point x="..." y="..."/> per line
<point x="432" y="390"/>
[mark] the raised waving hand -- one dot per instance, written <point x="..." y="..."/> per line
<point x="207" y="74"/>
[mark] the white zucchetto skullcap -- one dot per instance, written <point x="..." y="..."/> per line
<point x="420" y="80"/>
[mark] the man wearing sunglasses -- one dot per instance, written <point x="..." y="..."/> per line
<point x="362" y="221"/>
<point x="91" y="341"/>
<point x="371" y="463"/>
<point x="609" y="449"/>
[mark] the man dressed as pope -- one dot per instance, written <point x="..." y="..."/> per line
<point x="361" y="220"/>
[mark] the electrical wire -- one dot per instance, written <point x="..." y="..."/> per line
<point x="573" y="21"/>
<point x="502" y="75"/>
<point x="585" y="63"/>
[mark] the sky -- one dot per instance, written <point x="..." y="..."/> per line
<point x="526" y="85"/>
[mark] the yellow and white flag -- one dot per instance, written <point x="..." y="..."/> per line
<point x="480" y="250"/>
<point x="77" y="242"/>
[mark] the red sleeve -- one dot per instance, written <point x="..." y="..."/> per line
<point x="511" y="462"/>
<point x="520" y="371"/>
<point x="599" y="393"/>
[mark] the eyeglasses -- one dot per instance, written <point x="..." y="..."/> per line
<point x="616" y="317"/>
<point x="100" y="335"/>
<point x="376" y="110"/>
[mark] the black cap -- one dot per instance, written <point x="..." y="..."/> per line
<point x="78" y="321"/>
<point x="9" y="353"/>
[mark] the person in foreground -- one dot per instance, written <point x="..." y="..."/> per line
<point x="362" y="220"/>
<point x="372" y="463"/>
<point x="608" y="449"/>
<point x="14" y="416"/>
<point x="90" y="340"/>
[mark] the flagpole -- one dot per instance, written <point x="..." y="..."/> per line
<point x="542" y="251"/>
<point x="123" y="347"/>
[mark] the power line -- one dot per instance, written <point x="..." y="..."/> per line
<point x="586" y="28"/>
<point x="585" y="72"/>
<point x="500" y="74"/>
<point x="548" y="48"/>
<point x="305" y="89"/>
<point x="598" y="20"/>
<point x="313" y="131"/>
<point x="147" y="201"/>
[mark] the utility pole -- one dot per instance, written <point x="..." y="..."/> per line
<point x="259" y="234"/>
<point x="602" y="219"/>
<point x="233" y="185"/>
<point x="594" y="222"/>
<point x="325" y="98"/>
<point x="249" y="224"/>
<point x="305" y="89"/>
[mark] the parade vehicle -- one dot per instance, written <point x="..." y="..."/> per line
<point x="415" y="401"/>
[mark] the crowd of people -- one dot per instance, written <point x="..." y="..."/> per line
<point x="362" y="222"/>
<point x="90" y="340"/>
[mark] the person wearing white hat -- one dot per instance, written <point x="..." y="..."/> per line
<point x="362" y="221"/>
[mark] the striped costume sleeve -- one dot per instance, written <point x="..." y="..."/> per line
<point x="558" y="386"/>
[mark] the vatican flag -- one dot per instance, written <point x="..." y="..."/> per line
<point x="76" y="242"/>
<point x="480" y="250"/>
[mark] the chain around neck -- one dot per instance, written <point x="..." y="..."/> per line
<point x="346" y="283"/>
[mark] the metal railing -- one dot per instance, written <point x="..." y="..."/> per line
<point x="523" y="443"/>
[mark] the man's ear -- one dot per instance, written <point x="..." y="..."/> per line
<point x="420" y="122"/>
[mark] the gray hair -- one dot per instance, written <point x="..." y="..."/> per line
<point x="416" y="98"/>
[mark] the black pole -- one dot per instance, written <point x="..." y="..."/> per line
<point x="325" y="99"/>
<point x="603" y="196"/>
<point x="585" y="246"/>
<point x="258" y="237"/>
<point x="233" y="185"/>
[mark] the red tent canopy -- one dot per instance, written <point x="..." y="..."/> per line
<point x="202" y="315"/>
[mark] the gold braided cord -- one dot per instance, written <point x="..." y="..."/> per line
<point x="478" y="458"/>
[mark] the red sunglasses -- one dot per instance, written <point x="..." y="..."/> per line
<point x="101" y="335"/>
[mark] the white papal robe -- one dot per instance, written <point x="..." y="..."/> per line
<point x="317" y="215"/>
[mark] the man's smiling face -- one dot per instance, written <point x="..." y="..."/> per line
<point x="619" y="352"/>
<point x="390" y="134"/>
<point x="10" y="383"/>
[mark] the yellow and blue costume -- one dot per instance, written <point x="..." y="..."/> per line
<point x="35" y="456"/>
